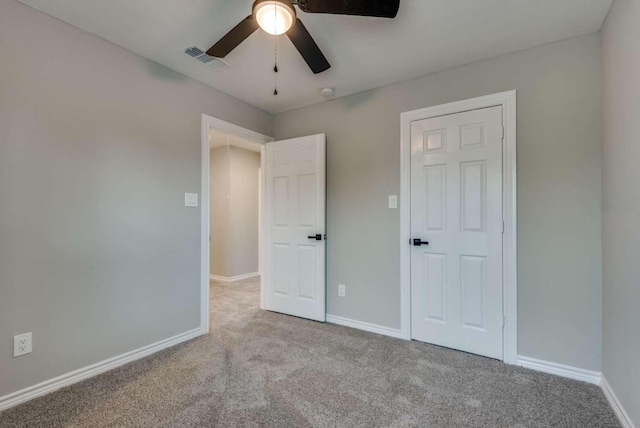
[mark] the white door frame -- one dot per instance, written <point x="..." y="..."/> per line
<point x="209" y="122"/>
<point x="507" y="100"/>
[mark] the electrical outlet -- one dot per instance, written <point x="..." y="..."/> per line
<point x="22" y="344"/>
<point x="342" y="290"/>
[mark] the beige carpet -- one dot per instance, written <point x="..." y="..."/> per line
<point x="260" y="369"/>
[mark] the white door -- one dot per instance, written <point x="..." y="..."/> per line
<point x="456" y="206"/>
<point x="294" y="271"/>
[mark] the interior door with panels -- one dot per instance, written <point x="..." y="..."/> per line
<point x="294" y="274"/>
<point x="456" y="226"/>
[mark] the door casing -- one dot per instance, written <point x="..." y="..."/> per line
<point x="507" y="100"/>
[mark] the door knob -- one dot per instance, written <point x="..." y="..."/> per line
<point x="419" y="242"/>
<point x="317" y="237"/>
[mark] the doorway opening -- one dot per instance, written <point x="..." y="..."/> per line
<point x="234" y="207"/>
<point x="232" y="195"/>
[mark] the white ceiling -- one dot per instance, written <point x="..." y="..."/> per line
<point x="221" y="139"/>
<point x="426" y="36"/>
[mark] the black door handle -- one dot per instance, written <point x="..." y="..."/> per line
<point x="317" y="237"/>
<point x="419" y="242"/>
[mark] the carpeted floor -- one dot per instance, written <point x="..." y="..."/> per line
<point x="261" y="369"/>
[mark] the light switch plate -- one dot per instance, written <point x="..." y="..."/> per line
<point x="393" y="201"/>
<point x="190" y="199"/>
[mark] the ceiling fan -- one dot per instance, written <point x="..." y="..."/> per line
<point x="279" y="16"/>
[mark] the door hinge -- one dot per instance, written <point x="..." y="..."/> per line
<point x="503" y="132"/>
<point x="504" y="321"/>
<point x="502" y="226"/>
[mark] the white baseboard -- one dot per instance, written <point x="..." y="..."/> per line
<point x="360" y="325"/>
<point x="75" y="376"/>
<point x="570" y="372"/>
<point x="576" y="373"/>
<point x="234" y="278"/>
<point x="615" y="404"/>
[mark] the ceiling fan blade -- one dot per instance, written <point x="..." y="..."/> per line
<point x="233" y="38"/>
<point x="378" y="8"/>
<point x="308" y="48"/>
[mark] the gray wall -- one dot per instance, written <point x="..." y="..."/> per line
<point x="559" y="203"/>
<point x="219" y="216"/>
<point x="98" y="255"/>
<point x="234" y="221"/>
<point x="621" y="197"/>
<point x="244" y="208"/>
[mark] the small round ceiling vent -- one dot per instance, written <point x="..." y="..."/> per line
<point x="327" y="92"/>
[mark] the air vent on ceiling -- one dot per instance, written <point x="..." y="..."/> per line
<point x="211" y="62"/>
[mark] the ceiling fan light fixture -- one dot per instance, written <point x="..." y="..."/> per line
<point x="279" y="17"/>
<point x="274" y="16"/>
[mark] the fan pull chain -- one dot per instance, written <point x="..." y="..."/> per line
<point x="275" y="69"/>
<point x="275" y="51"/>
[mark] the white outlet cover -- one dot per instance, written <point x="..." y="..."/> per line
<point x="190" y="199"/>
<point x="22" y="344"/>
<point x="393" y="201"/>
<point x="342" y="290"/>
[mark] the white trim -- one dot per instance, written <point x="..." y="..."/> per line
<point x="562" y="370"/>
<point x="234" y="278"/>
<point x="75" y="376"/>
<point x="360" y="325"/>
<point x="584" y="375"/>
<point x="233" y="129"/>
<point x="261" y="227"/>
<point x="260" y="211"/>
<point x="510" y="304"/>
<point x="205" y="207"/>
<point x="209" y="122"/>
<point x="615" y="404"/>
